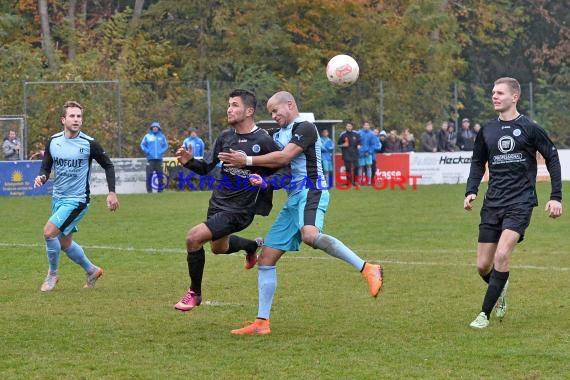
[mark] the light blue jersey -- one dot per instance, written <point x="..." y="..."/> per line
<point x="306" y="167"/>
<point x="70" y="159"/>
<point x="197" y="145"/>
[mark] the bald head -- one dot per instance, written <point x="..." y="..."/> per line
<point x="283" y="108"/>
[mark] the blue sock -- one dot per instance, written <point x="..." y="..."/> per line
<point x="336" y="248"/>
<point x="52" y="250"/>
<point x="267" y="283"/>
<point x="77" y="255"/>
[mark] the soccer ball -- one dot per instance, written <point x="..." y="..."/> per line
<point x="342" y="70"/>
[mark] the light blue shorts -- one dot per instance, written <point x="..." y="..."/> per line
<point x="306" y="207"/>
<point x="66" y="214"/>
<point x="365" y="160"/>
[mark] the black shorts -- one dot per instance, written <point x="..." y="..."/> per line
<point x="494" y="220"/>
<point x="223" y="223"/>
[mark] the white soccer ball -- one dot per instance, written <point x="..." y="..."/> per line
<point x="342" y="70"/>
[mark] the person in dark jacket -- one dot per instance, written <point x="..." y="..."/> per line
<point x="349" y="142"/>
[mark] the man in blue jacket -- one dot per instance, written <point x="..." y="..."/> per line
<point x="154" y="145"/>
<point x="195" y="142"/>
<point x="368" y="145"/>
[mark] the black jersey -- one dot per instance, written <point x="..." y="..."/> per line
<point x="231" y="191"/>
<point x="509" y="148"/>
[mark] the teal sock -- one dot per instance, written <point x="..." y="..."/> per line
<point x="77" y="255"/>
<point x="267" y="283"/>
<point x="53" y="247"/>
<point x="336" y="248"/>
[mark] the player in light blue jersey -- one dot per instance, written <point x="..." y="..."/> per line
<point x="69" y="154"/>
<point x="302" y="217"/>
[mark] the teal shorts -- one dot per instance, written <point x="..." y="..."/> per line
<point x="365" y="160"/>
<point x="327" y="165"/>
<point x="304" y="208"/>
<point x="66" y="214"/>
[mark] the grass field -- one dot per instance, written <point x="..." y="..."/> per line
<point x="324" y="323"/>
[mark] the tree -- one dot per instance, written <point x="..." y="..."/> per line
<point x="46" y="33"/>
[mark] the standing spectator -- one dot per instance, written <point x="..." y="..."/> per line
<point x="349" y="142"/>
<point x="382" y="136"/>
<point x="393" y="143"/>
<point x="366" y="151"/>
<point x="327" y="148"/>
<point x="377" y="149"/>
<point x="69" y="153"/>
<point x="443" y="139"/>
<point x="194" y="144"/>
<point x="452" y="136"/>
<point x="11" y="146"/>
<point x="508" y="146"/>
<point x="408" y="141"/>
<point x="476" y="128"/>
<point x="154" y="146"/>
<point x="428" y="139"/>
<point x="466" y="137"/>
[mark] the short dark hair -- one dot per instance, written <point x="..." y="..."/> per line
<point x="70" y="104"/>
<point x="248" y="98"/>
<point x="513" y="84"/>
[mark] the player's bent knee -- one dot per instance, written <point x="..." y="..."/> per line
<point x="483" y="270"/>
<point x="218" y="251"/>
<point x="50" y="232"/>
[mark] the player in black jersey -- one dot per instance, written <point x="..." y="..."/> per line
<point x="508" y="145"/>
<point x="234" y="202"/>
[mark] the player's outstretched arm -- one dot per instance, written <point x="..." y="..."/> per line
<point x="275" y="159"/>
<point x="553" y="208"/>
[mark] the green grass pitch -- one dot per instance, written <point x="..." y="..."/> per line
<point x="324" y="323"/>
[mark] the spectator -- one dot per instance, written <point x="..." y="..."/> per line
<point x="154" y="146"/>
<point x="327" y="149"/>
<point x="194" y="142"/>
<point x="428" y="139"/>
<point x="466" y="137"/>
<point x="382" y="136"/>
<point x="349" y="142"/>
<point x="11" y="146"/>
<point x="476" y="128"/>
<point x="408" y="141"/>
<point x="452" y="136"/>
<point x="377" y="149"/>
<point x="366" y="151"/>
<point x="393" y="143"/>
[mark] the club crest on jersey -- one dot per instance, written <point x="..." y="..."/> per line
<point x="517" y="132"/>
<point x="256" y="148"/>
<point x="506" y="144"/>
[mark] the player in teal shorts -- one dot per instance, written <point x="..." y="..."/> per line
<point x="302" y="217"/>
<point x="69" y="153"/>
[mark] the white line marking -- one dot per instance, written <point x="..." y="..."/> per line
<point x="218" y="303"/>
<point x="297" y="256"/>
